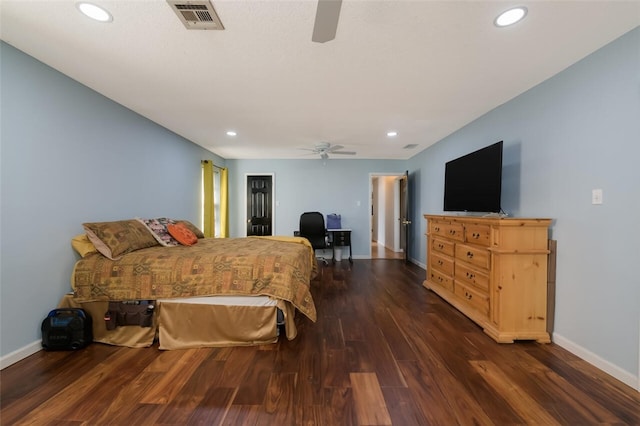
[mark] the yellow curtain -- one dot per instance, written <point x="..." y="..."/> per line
<point x="207" y="186"/>
<point x="224" y="202"/>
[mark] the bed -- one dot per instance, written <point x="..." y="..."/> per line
<point x="215" y="292"/>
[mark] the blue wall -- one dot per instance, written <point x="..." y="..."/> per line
<point x="70" y="155"/>
<point x="331" y="186"/>
<point x="577" y="131"/>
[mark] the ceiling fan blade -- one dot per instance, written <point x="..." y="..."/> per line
<point x="343" y="152"/>
<point x="333" y="148"/>
<point x="326" y="25"/>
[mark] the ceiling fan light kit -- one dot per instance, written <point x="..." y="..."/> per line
<point x="325" y="148"/>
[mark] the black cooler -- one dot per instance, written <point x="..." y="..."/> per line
<point x="67" y="329"/>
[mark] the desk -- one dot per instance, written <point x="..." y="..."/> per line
<point x="339" y="238"/>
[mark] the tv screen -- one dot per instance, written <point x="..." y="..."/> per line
<point x="473" y="183"/>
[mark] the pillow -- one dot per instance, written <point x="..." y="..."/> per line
<point x="158" y="228"/>
<point x="182" y="234"/>
<point x="191" y="227"/>
<point x="82" y="245"/>
<point x="113" y="239"/>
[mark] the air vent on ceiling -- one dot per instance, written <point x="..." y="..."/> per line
<point x="197" y="15"/>
<point x="410" y="146"/>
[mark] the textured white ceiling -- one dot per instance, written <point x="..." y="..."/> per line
<point x="422" y="68"/>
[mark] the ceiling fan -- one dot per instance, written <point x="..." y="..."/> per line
<point x="325" y="148"/>
<point x="326" y="24"/>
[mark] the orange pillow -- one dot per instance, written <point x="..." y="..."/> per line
<point x="183" y="235"/>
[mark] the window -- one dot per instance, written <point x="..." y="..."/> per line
<point x="216" y="190"/>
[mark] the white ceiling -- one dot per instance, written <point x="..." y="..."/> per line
<point x="422" y="68"/>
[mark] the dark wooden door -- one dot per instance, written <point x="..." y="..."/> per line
<point x="259" y="205"/>
<point x="404" y="212"/>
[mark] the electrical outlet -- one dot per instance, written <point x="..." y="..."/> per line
<point x="596" y="196"/>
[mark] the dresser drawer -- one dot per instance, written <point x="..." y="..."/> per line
<point x="442" y="263"/>
<point x="475" y="299"/>
<point x="474" y="255"/>
<point x="443" y="246"/>
<point x="455" y="231"/>
<point x="478" y="234"/>
<point x="441" y="279"/>
<point x="472" y="276"/>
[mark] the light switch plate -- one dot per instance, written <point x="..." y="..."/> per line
<point x="596" y="196"/>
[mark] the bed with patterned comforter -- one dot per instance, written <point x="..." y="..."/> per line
<point x="278" y="267"/>
<point x="213" y="266"/>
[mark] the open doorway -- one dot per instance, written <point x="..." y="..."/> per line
<point x="387" y="216"/>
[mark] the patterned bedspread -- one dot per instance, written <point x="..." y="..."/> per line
<point x="213" y="266"/>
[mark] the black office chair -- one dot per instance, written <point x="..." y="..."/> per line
<point x="313" y="229"/>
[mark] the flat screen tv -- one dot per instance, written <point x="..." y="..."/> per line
<point x="473" y="183"/>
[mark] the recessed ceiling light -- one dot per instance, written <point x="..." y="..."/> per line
<point x="94" y="12"/>
<point x="510" y="16"/>
<point x="392" y="134"/>
<point x="231" y="133"/>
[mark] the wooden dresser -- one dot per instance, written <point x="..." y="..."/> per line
<point x="493" y="270"/>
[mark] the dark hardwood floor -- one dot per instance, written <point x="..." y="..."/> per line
<point x="379" y="251"/>
<point x="384" y="351"/>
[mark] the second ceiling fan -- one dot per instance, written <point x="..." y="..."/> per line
<point x="325" y="148"/>
<point x="326" y="24"/>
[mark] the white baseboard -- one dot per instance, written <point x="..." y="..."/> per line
<point x="20" y="354"/>
<point x="613" y="370"/>
<point x="420" y="264"/>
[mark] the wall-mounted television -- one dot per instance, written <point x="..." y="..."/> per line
<point x="473" y="183"/>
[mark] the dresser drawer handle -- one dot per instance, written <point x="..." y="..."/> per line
<point x="437" y="229"/>
<point x="452" y="231"/>
<point x="440" y="262"/>
<point x="470" y="254"/>
<point x="470" y="276"/>
<point x="441" y="246"/>
<point x="475" y="235"/>
<point x="467" y="295"/>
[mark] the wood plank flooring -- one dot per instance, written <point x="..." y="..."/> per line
<point x="384" y="351"/>
<point x="379" y="251"/>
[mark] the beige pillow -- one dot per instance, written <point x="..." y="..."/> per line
<point x="113" y="239"/>
<point x="82" y="245"/>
